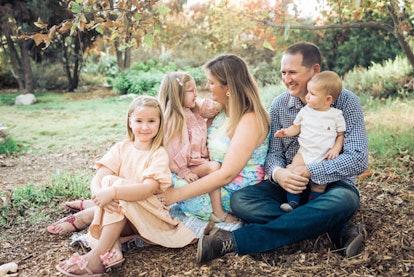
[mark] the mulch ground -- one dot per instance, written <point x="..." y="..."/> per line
<point x="387" y="211"/>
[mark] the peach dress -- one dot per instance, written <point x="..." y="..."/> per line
<point x="150" y="217"/>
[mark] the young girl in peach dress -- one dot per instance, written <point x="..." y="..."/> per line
<point x="125" y="189"/>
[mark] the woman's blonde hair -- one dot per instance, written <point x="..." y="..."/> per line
<point x="171" y="95"/>
<point x="145" y="101"/>
<point x="231" y="71"/>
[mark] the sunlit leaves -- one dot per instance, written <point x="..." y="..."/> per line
<point x="40" y="24"/>
<point x="163" y="10"/>
<point x="267" y="45"/>
<point x="75" y="7"/>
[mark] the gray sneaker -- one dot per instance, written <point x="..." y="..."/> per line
<point x="217" y="244"/>
<point x="351" y="242"/>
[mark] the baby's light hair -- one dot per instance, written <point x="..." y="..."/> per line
<point x="330" y="82"/>
<point x="145" y="101"/>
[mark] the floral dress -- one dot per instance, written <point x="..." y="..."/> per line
<point x="218" y="142"/>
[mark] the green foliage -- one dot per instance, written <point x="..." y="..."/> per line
<point x="49" y="76"/>
<point x="138" y="82"/>
<point x="8" y="146"/>
<point x="381" y="81"/>
<point x="145" y="78"/>
<point x="344" y="49"/>
<point x="266" y="74"/>
<point x="28" y="197"/>
<point x="106" y="66"/>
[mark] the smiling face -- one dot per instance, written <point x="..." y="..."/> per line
<point x="295" y="76"/>
<point x="144" y="123"/>
<point x="217" y="90"/>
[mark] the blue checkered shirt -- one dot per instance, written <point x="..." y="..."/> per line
<point x="353" y="159"/>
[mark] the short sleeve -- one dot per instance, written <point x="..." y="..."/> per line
<point x="340" y="122"/>
<point x="112" y="159"/>
<point x="299" y="117"/>
<point x="158" y="169"/>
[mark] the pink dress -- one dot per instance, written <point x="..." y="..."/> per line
<point x="150" y="217"/>
<point x="192" y="149"/>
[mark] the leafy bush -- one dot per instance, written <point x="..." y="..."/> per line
<point x="381" y="81"/>
<point x="106" y="66"/>
<point x="138" y="82"/>
<point x="49" y="76"/>
<point x="8" y="146"/>
<point x="266" y="74"/>
<point x="145" y="78"/>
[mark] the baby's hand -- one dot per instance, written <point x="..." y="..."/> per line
<point x="280" y="133"/>
<point x="331" y="154"/>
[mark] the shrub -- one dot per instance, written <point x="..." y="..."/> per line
<point x="49" y="76"/>
<point x="381" y="81"/>
<point x="8" y="146"/>
<point x="145" y="78"/>
<point x="138" y="82"/>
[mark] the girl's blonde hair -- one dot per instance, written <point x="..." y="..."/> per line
<point x="171" y="95"/>
<point x="231" y="71"/>
<point x="145" y="101"/>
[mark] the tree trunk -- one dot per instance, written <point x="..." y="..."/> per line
<point x="16" y="62"/>
<point x="66" y="65"/>
<point x="119" y="56"/>
<point x="26" y="66"/>
<point x="77" y="64"/>
<point x="398" y="34"/>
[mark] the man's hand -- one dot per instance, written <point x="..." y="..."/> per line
<point x="291" y="179"/>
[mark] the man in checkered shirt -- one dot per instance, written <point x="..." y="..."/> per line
<point x="269" y="227"/>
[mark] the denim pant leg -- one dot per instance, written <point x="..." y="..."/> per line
<point x="328" y="213"/>
<point x="258" y="203"/>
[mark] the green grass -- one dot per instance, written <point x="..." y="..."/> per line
<point x="56" y="122"/>
<point x="25" y="200"/>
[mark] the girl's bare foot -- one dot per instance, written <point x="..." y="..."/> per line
<point x="226" y="217"/>
<point x="72" y="223"/>
<point x="78" y="205"/>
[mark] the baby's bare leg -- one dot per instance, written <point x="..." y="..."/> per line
<point x="205" y="168"/>
<point x="317" y="188"/>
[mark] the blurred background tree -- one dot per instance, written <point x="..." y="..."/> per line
<point x="350" y="34"/>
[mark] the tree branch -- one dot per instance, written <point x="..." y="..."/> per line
<point x="369" y="24"/>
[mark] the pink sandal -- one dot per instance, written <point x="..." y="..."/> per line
<point x="78" y="261"/>
<point x="69" y="219"/>
<point x="108" y="256"/>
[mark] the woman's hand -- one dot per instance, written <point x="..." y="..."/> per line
<point x="168" y="197"/>
<point x="292" y="180"/>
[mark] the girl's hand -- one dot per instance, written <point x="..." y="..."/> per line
<point x="112" y="207"/>
<point x="191" y="177"/>
<point x="103" y="196"/>
<point x="168" y="197"/>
